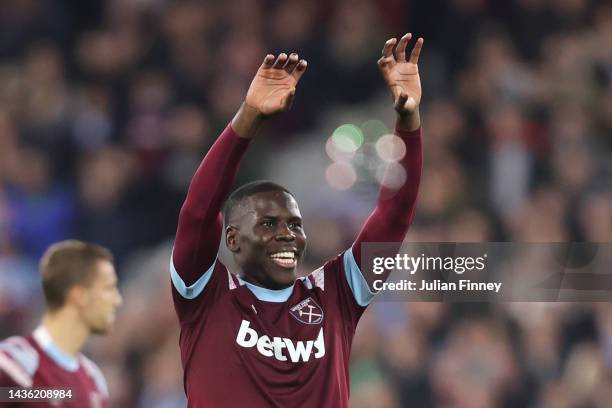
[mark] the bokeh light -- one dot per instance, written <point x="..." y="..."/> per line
<point x="391" y="175"/>
<point x="390" y="148"/>
<point x="373" y="129"/>
<point x="360" y="159"/>
<point x="340" y="175"/>
<point x="348" y="138"/>
<point x="336" y="154"/>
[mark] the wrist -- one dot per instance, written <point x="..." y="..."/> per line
<point x="247" y="121"/>
<point x="408" y="121"/>
<point x="251" y="112"/>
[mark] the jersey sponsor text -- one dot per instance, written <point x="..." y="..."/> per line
<point x="280" y="348"/>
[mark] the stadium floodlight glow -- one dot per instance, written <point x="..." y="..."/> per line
<point x="391" y="175"/>
<point x="373" y="129"/>
<point x="335" y="154"/>
<point x="348" y="138"/>
<point x="390" y="148"/>
<point x="340" y="176"/>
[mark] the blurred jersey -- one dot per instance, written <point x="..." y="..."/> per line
<point x="36" y="362"/>
<point x="270" y="348"/>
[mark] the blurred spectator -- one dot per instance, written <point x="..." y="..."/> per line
<point x="42" y="212"/>
<point x="104" y="177"/>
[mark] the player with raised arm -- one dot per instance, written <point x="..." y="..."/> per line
<point x="265" y="338"/>
<point x="80" y="288"/>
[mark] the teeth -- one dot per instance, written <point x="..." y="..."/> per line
<point x="284" y="261"/>
<point x="283" y="255"/>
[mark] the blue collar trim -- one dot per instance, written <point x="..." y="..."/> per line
<point x="268" y="295"/>
<point x="44" y="340"/>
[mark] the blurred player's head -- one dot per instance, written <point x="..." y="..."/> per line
<point x="264" y="232"/>
<point x="81" y="277"/>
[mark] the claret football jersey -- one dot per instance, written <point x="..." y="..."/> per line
<point x="258" y="347"/>
<point x="35" y="362"/>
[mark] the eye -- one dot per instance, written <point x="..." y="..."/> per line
<point x="295" y="225"/>
<point x="267" y="224"/>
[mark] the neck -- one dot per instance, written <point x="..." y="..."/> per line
<point x="266" y="284"/>
<point x="66" y="330"/>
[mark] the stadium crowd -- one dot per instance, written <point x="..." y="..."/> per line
<point x="106" y="108"/>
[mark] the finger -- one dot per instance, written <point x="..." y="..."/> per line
<point x="268" y="61"/>
<point x="401" y="47"/>
<point x="388" y="48"/>
<point x="292" y="63"/>
<point x="280" y="61"/>
<point x="300" y="69"/>
<point x="288" y="101"/>
<point x="383" y="62"/>
<point x="416" y="51"/>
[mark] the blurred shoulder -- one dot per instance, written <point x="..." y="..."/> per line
<point x="19" y="360"/>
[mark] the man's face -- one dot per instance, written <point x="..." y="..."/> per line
<point x="102" y="299"/>
<point x="266" y="236"/>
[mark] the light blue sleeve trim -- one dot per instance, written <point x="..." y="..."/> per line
<point x="190" y="292"/>
<point x="361" y="291"/>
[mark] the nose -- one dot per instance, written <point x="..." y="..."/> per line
<point x="284" y="233"/>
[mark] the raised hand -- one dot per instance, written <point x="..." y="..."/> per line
<point x="273" y="88"/>
<point x="401" y="74"/>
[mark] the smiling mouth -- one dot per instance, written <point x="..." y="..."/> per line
<point x="285" y="259"/>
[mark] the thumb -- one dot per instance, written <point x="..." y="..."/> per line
<point x="400" y="102"/>
<point x="405" y="103"/>
<point x="410" y="104"/>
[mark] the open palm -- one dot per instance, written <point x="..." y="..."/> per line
<point x="401" y="74"/>
<point x="273" y="88"/>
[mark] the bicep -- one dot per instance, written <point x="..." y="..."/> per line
<point x="195" y="247"/>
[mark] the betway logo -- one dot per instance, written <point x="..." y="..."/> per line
<point x="279" y="347"/>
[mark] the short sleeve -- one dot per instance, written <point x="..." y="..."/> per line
<point x="344" y="288"/>
<point x="191" y="301"/>
<point x="18" y="362"/>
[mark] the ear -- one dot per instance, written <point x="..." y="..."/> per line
<point x="77" y="295"/>
<point x="232" y="238"/>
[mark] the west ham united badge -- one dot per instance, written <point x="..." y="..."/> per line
<point x="307" y="311"/>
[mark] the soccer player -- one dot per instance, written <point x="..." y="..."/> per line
<point x="264" y="338"/>
<point x="80" y="289"/>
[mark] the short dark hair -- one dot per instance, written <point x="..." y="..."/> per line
<point x="67" y="264"/>
<point x="247" y="190"/>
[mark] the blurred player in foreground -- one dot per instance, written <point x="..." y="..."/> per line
<point x="80" y="288"/>
<point x="265" y="338"/>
